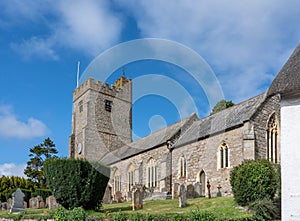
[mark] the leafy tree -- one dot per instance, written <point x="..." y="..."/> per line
<point x="221" y="105"/>
<point x="39" y="154"/>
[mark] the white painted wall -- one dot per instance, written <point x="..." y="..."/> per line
<point x="290" y="158"/>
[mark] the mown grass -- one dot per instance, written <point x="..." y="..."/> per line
<point x="221" y="207"/>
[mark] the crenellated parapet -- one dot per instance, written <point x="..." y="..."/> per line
<point x="91" y="84"/>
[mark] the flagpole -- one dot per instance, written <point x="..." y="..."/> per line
<point x="78" y="69"/>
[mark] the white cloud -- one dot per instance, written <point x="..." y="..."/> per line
<point x="89" y="26"/>
<point x="11" y="169"/>
<point x="11" y="127"/>
<point x="237" y="38"/>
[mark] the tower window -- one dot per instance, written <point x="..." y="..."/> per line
<point x="80" y="104"/>
<point x="108" y="105"/>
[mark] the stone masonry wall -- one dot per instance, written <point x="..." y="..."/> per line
<point x="260" y="121"/>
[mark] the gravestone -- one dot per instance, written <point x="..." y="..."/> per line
<point x="219" y="190"/>
<point x="51" y="202"/>
<point x="118" y="197"/>
<point x="197" y="189"/>
<point x="182" y="196"/>
<point x="33" y="203"/>
<point x="17" y="201"/>
<point x="129" y="196"/>
<point x="9" y="203"/>
<point x="175" y="192"/>
<point x="190" y="193"/>
<point x="4" y="206"/>
<point x="137" y="199"/>
<point x="25" y="204"/>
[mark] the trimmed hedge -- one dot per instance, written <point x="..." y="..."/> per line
<point x="76" y="182"/>
<point x="44" y="193"/>
<point x="254" y="180"/>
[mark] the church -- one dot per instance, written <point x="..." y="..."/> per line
<point x="199" y="153"/>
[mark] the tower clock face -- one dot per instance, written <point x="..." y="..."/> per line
<point x="79" y="148"/>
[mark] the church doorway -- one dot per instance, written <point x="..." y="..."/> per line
<point x="201" y="178"/>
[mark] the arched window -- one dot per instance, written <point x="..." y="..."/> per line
<point x="182" y="167"/>
<point x="117" y="181"/>
<point x="223" y="155"/>
<point x="151" y="173"/>
<point x="272" y="140"/>
<point x="130" y="175"/>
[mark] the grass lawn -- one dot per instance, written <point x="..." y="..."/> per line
<point x="222" y="207"/>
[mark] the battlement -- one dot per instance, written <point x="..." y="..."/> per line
<point x="98" y="86"/>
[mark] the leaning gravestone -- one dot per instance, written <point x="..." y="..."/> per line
<point x="137" y="199"/>
<point x="175" y="192"/>
<point x="17" y="201"/>
<point x="190" y="191"/>
<point x="182" y="196"/>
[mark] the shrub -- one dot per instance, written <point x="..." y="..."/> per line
<point x="76" y="183"/>
<point x="76" y="214"/>
<point x="265" y="209"/>
<point x="254" y="180"/>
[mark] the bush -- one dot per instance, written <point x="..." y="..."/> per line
<point x="76" y="183"/>
<point x="254" y="180"/>
<point x="77" y="214"/>
<point x="265" y="209"/>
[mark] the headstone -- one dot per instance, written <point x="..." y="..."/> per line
<point x="107" y="198"/>
<point x="25" y="204"/>
<point x="34" y="203"/>
<point x="197" y="189"/>
<point x="9" y="203"/>
<point x="137" y="200"/>
<point x="219" y="190"/>
<point x="182" y="196"/>
<point x="208" y="189"/>
<point x="190" y="193"/>
<point x="17" y="201"/>
<point x="175" y="192"/>
<point x="118" y="197"/>
<point x="129" y="196"/>
<point x="51" y="202"/>
<point x="42" y="205"/>
<point x="4" y="206"/>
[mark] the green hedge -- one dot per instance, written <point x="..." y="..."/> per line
<point x="254" y="180"/>
<point x="76" y="183"/>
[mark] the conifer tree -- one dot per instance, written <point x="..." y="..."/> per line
<point x="38" y="155"/>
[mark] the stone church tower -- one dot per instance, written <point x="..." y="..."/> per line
<point x="101" y="120"/>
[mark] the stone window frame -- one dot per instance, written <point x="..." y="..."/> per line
<point x="117" y="181"/>
<point x="182" y="167"/>
<point x="130" y="176"/>
<point x="273" y="139"/>
<point x="152" y="178"/>
<point x="80" y="105"/>
<point x="223" y="156"/>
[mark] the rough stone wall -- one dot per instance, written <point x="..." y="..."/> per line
<point x="98" y="130"/>
<point x="140" y="173"/>
<point x="202" y="155"/>
<point x="260" y="121"/>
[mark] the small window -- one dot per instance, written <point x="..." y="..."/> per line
<point x="223" y="156"/>
<point x="108" y="105"/>
<point x="182" y="167"/>
<point x="80" y="104"/>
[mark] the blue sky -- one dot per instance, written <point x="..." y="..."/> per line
<point x="245" y="43"/>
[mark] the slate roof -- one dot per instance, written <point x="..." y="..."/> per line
<point x="221" y="121"/>
<point x="288" y="79"/>
<point x="151" y="141"/>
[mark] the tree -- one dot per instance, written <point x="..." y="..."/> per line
<point x="221" y="105"/>
<point x="77" y="182"/>
<point x="39" y="154"/>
